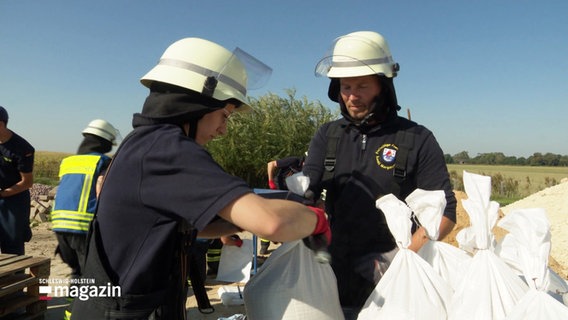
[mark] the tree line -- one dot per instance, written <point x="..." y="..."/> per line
<point x="279" y="127"/>
<point x="498" y="158"/>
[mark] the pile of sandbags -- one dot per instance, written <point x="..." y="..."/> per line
<point x="486" y="279"/>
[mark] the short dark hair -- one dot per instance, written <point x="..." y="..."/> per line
<point x="3" y="115"/>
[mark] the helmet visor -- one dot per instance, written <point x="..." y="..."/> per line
<point x="258" y="73"/>
<point x="229" y="82"/>
<point x="352" y="56"/>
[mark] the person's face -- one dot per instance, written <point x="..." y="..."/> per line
<point x="213" y="124"/>
<point x="358" y="94"/>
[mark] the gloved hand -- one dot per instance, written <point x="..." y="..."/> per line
<point x="321" y="237"/>
<point x="322" y="226"/>
<point x="233" y="240"/>
<point x="272" y="185"/>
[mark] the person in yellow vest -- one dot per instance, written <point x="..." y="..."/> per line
<point x="76" y="197"/>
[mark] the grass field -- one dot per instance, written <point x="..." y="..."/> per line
<point x="46" y="166"/>
<point x="526" y="179"/>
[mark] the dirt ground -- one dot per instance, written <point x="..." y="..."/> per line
<point x="43" y="243"/>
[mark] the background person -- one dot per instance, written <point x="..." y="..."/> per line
<point x="76" y="198"/>
<point x="369" y="152"/>
<point x="75" y="203"/>
<point x="279" y="170"/>
<point x="164" y="188"/>
<point x="16" y="179"/>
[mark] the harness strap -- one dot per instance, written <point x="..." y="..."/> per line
<point x="197" y="282"/>
<point x="333" y="134"/>
<point x="404" y="140"/>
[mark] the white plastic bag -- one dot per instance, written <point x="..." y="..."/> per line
<point x="448" y="261"/>
<point x="410" y="288"/>
<point x="292" y="285"/>
<point x="527" y="248"/>
<point x="235" y="262"/>
<point x="489" y="288"/>
<point x="538" y="305"/>
<point x="231" y="295"/>
<point x="298" y="183"/>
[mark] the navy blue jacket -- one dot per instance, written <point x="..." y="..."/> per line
<point x="363" y="172"/>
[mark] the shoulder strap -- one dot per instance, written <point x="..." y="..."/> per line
<point x="404" y="140"/>
<point x="333" y="135"/>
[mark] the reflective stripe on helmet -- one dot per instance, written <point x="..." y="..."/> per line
<point x="205" y="72"/>
<point x="358" y="63"/>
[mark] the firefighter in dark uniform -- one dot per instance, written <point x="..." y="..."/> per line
<point x="163" y="189"/>
<point x="16" y="179"/>
<point x="282" y="169"/>
<point x="374" y="152"/>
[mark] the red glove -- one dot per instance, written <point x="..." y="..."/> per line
<point x="322" y="226"/>
<point x="320" y="238"/>
<point x="272" y="185"/>
<point x="233" y="240"/>
<point x="238" y="240"/>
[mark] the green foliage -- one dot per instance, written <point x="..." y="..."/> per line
<point x="278" y="127"/>
<point x="498" y="158"/>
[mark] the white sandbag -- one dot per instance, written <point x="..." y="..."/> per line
<point x="538" y="305"/>
<point x="507" y="249"/>
<point x="292" y="285"/>
<point x="489" y="288"/>
<point x="447" y="260"/>
<point x="410" y="288"/>
<point x="530" y="231"/>
<point x="526" y="249"/>
<point x="235" y="262"/>
<point x="298" y="183"/>
<point x="483" y="214"/>
<point x="428" y="206"/>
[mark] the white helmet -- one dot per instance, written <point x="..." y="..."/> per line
<point x="207" y="68"/>
<point x="103" y="129"/>
<point x="358" y="54"/>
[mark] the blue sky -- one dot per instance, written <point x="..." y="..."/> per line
<point x="484" y="76"/>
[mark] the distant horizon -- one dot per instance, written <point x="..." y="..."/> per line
<point x="451" y="154"/>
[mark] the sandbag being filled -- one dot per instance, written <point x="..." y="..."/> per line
<point x="292" y="285"/>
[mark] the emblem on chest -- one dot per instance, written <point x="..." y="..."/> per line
<point x="386" y="156"/>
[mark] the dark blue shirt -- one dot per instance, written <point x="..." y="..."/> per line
<point x="17" y="155"/>
<point x="158" y="177"/>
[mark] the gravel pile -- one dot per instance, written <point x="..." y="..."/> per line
<point x="555" y="201"/>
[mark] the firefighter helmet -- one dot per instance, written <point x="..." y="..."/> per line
<point x="103" y="129"/>
<point x="356" y="54"/>
<point x="207" y="68"/>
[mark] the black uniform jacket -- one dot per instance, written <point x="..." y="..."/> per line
<point x="157" y="178"/>
<point x="364" y="172"/>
